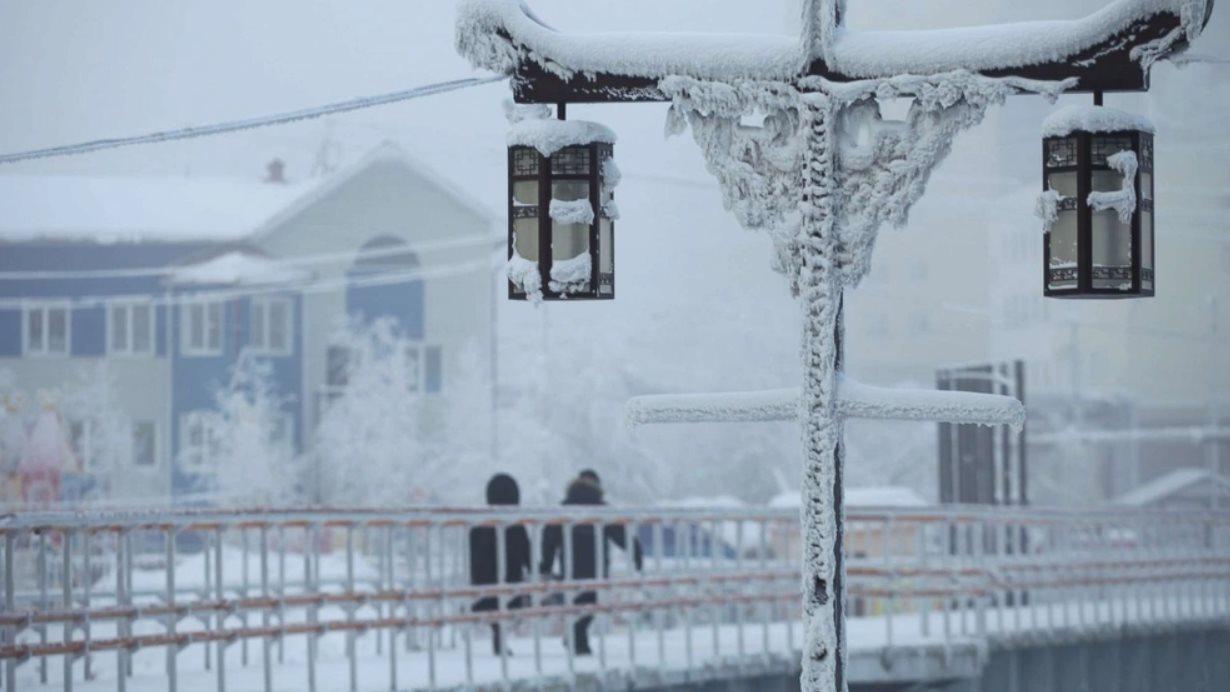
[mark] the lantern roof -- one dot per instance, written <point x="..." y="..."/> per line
<point x="554" y="66"/>
<point x="548" y="135"/>
<point x="1089" y="118"/>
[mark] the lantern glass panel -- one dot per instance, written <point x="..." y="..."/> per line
<point x="569" y="239"/>
<point x="1106" y="146"/>
<point x="571" y="161"/>
<point x="1146" y="185"/>
<point x="525" y="193"/>
<point x="1146" y="250"/>
<point x="1061" y="152"/>
<point x="525" y="162"/>
<point x="1062" y="270"/>
<point x="1112" y="251"/>
<point x="1105" y="180"/>
<point x="1063" y="183"/>
<point x="526" y="239"/>
<point x="1146" y="152"/>
<point x="606" y="258"/>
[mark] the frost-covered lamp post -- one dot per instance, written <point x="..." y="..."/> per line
<point x="1097" y="203"/>
<point x="561" y="211"/>
<point x="822" y="174"/>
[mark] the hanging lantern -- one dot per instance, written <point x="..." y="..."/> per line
<point x="561" y="211"/>
<point x="1097" y="203"/>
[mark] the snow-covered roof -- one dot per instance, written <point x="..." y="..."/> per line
<point x="549" y="136"/>
<point x="868" y="496"/>
<point x="500" y="34"/>
<point x="998" y="46"/>
<point x="109" y="209"/>
<point x="1172" y="484"/>
<point x="482" y="26"/>
<point x="119" y="209"/>
<point x="1090" y="118"/>
<point x="386" y="151"/>
<point x="238" y="268"/>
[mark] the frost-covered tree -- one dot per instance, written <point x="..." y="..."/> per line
<point x="561" y="412"/>
<point x="250" y="441"/>
<point x="100" y="429"/>
<point x="383" y="440"/>
<point x="457" y="431"/>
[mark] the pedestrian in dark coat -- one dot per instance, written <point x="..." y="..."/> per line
<point x="586" y="489"/>
<point x="484" y="553"/>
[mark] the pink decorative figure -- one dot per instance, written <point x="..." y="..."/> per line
<point x="47" y="454"/>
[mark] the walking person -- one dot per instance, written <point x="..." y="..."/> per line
<point x="585" y="489"/>
<point x="502" y="491"/>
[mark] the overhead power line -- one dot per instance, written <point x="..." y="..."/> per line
<point x="309" y="260"/>
<point x="319" y="284"/>
<point x="250" y="123"/>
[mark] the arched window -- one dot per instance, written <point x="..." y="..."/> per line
<point x="382" y="283"/>
<point x="384" y="253"/>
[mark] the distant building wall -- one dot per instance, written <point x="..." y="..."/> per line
<point x="384" y="197"/>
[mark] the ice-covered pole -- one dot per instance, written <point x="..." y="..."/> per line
<point x="820" y="295"/>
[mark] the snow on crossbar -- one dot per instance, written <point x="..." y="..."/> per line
<point x="858" y="400"/>
<point x="854" y="400"/>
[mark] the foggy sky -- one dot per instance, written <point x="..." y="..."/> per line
<point x="697" y="303"/>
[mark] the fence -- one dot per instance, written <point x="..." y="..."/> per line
<point x="221" y="596"/>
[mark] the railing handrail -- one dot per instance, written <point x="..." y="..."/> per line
<point x="212" y="576"/>
<point x="181" y="518"/>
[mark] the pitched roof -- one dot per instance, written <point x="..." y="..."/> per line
<point x="118" y="209"/>
<point x="108" y="209"/>
<point x="1172" y="484"/>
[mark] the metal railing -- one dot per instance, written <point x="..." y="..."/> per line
<point x="382" y="599"/>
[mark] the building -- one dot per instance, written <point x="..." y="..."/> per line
<point x="1184" y="489"/>
<point x="168" y="282"/>
<point x="1120" y="392"/>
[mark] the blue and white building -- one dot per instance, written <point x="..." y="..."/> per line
<point x="170" y="280"/>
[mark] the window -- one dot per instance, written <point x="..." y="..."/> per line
<point x="414" y="368"/>
<point x="130" y="329"/>
<point x="47" y="329"/>
<point x="423" y="368"/>
<point x="271" y="326"/>
<point x="96" y="453"/>
<point x="144" y="444"/>
<point x="84" y="436"/>
<point x="433" y="368"/>
<point x="338" y="366"/>
<point x="198" y="442"/>
<point x="282" y="436"/>
<point x="201" y="328"/>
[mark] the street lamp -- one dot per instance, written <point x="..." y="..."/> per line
<point x="561" y="211"/>
<point x="1097" y="203"/>
<point x="825" y="170"/>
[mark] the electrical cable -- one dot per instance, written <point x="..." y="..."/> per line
<point x="307" y="286"/>
<point x="292" y="261"/>
<point x="251" y="123"/>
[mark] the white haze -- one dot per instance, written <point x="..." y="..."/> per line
<point x="698" y="309"/>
